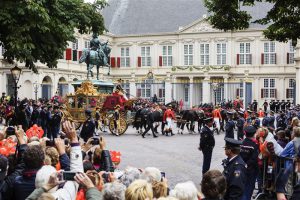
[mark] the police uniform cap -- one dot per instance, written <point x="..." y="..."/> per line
<point x="88" y="112"/>
<point x="230" y="112"/>
<point x="249" y="131"/>
<point x="232" y="143"/>
<point x="208" y="119"/>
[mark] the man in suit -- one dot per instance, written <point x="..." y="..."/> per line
<point x="207" y="143"/>
<point x="88" y="127"/>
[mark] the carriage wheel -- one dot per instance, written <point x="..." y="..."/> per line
<point x="122" y="126"/>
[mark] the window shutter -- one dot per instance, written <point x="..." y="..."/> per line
<point x="275" y="93"/>
<point x="262" y="93"/>
<point x="250" y="59"/>
<point x="160" y="60"/>
<point x="160" y="93"/>
<point x="287" y="93"/>
<point x="275" y="59"/>
<point x="112" y="62"/>
<point x="287" y="58"/>
<point x="68" y="54"/>
<point x="139" y="61"/>
<point x="79" y="54"/>
<point x="237" y="92"/>
<point x="237" y="59"/>
<point x="118" y="62"/>
<point x="75" y="55"/>
<point x="262" y="59"/>
<point x="138" y="93"/>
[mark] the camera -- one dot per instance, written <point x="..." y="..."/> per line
<point x="105" y="177"/>
<point x="10" y="131"/>
<point x="50" y="143"/>
<point x="68" y="176"/>
<point x="95" y="141"/>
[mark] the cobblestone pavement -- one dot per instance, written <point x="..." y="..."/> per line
<point x="178" y="156"/>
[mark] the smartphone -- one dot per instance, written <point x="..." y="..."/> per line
<point x="95" y="141"/>
<point x="50" y="143"/>
<point x="68" y="176"/>
<point x="163" y="175"/>
<point x="10" y="131"/>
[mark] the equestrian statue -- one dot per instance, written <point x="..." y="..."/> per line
<point x="97" y="54"/>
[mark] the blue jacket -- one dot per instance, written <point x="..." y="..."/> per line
<point x="24" y="185"/>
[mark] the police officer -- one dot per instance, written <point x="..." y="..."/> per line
<point x="234" y="170"/>
<point x="249" y="153"/>
<point x="282" y="106"/>
<point x="240" y="125"/>
<point x="55" y="122"/>
<point x="272" y="105"/>
<point x="35" y="116"/>
<point x="88" y="127"/>
<point x="265" y="104"/>
<point x="277" y="106"/>
<point x="150" y="121"/>
<point x="254" y="106"/>
<point x="22" y="117"/>
<point x="207" y="143"/>
<point x="287" y="105"/>
<point x="272" y="120"/>
<point x="229" y="127"/>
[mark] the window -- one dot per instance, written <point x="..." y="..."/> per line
<point x="204" y="54"/>
<point x="167" y="56"/>
<point x="126" y="88"/>
<point x="75" y="45"/>
<point x="221" y="54"/>
<point x="144" y="89"/>
<point x="269" y="90"/>
<point x="146" y="58"/>
<point x="125" y="58"/>
<point x="245" y="56"/>
<point x="87" y="44"/>
<point x="186" y="92"/>
<point x="291" y="53"/>
<point x="290" y="91"/>
<point x="240" y="90"/>
<point x="269" y="53"/>
<point x="188" y="54"/>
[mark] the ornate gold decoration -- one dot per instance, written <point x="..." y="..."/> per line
<point x="87" y="88"/>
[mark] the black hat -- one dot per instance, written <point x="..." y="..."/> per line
<point x="241" y="112"/>
<point x="230" y="113"/>
<point x="288" y="100"/>
<point x="55" y="107"/>
<point x="208" y="119"/>
<point x="3" y="167"/>
<point x="88" y="112"/>
<point x="232" y="143"/>
<point x="249" y="131"/>
<point x="249" y="111"/>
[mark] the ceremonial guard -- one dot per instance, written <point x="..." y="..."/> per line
<point x="265" y="105"/>
<point x="217" y="118"/>
<point x="249" y="153"/>
<point x="254" y="106"/>
<point x="97" y="118"/>
<point x="261" y="115"/>
<point x="117" y="119"/>
<point x="272" y="105"/>
<point x="167" y="119"/>
<point x="282" y="106"/>
<point x="207" y="143"/>
<point x="35" y="116"/>
<point x="22" y="117"/>
<point x="49" y="121"/>
<point x="229" y="127"/>
<point x="55" y="122"/>
<point x="234" y="170"/>
<point x="240" y="125"/>
<point x="88" y="127"/>
<point x="277" y="106"/>
<point x="43" y="117"/>
<point x="288" y="104"/>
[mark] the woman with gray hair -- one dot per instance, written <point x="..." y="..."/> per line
<point x="151" y="174"/>
<point x="185" y="191"/>
<point x="130" y="174"/>
<point x="114" y="191"/>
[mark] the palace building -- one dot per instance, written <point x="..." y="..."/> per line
<point x="169" y="49"/>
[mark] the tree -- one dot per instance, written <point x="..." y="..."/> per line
<point x="38" y="30"/>
<point x="283" y="19"/>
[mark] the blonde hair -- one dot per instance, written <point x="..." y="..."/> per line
<point x="295" y="121"/>
<point x="139" y="190"/>
<point x="296" y="131"/>
<point x="52" y="154"/>
<point x="160" y="189"/>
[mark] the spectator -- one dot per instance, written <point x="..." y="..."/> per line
<point x="281" y="138"/>
<point x="138" y="190"/>
<point x="130" y="174"/>
<point x="291" y="148"/>
<point x="52" y="156"/>
<point x="160" y="189"/>
<point x="185" y="191"/>
<point x="114" y="191"/>
<point x="151" y="174"/>
<point x="213" y="185"/>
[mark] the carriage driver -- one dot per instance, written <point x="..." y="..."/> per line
<point x="168" y="116"/>
<point x="117" y="119"/>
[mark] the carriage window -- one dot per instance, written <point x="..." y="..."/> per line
<point x="92" y="102"/>
<point x="81" y="102"/>
<point x="71" y="102"/>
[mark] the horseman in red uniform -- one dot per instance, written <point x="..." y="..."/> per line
<point x="238" y="103"/>
<point x="167" y="118"/>
<point x="120" y="92"/>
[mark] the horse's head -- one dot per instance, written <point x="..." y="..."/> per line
<point x="84" y="55"/>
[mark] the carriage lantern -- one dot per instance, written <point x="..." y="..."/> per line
<point x="215" y="87"/>
<point x="16" y="72"/>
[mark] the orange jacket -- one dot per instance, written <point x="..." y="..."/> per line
<point x="261" y="114"/>
<point x="169" y="114"/>
<point x="216" y="114"/>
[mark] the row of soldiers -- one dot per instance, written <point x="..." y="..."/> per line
<point x="273" y="105"/>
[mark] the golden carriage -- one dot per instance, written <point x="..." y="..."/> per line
<point x="87" y="97"/>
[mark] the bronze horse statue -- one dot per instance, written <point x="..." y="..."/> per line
<point x="98" y="55"/>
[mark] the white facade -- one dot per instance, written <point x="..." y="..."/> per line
<point x="182" y="65"/>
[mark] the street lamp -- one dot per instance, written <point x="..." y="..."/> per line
<point x="16" y="72"/>
<point x="35" y="87"/>
<point x="215" y="87"/>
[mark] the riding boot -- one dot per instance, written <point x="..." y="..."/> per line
<point x="167" y="132"/>
<point x="143" y="135"/>
<point x="155" y="136"/>
<point x="172" y="133"/>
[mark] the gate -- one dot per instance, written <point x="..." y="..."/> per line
<point x="146" y="89"/>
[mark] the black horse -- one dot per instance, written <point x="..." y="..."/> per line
<point x="188" y="118"/>
<point x="141" y="116"/>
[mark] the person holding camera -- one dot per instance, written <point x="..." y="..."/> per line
<point x="207" y="143"/>
<point x="88" y="127"/>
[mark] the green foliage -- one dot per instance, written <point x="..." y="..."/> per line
<point x="283" y="20"/>
<point x="38" y="30"/>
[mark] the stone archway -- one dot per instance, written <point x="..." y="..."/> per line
<point x="46" y="87"/>
<point x="63" y="87"/>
